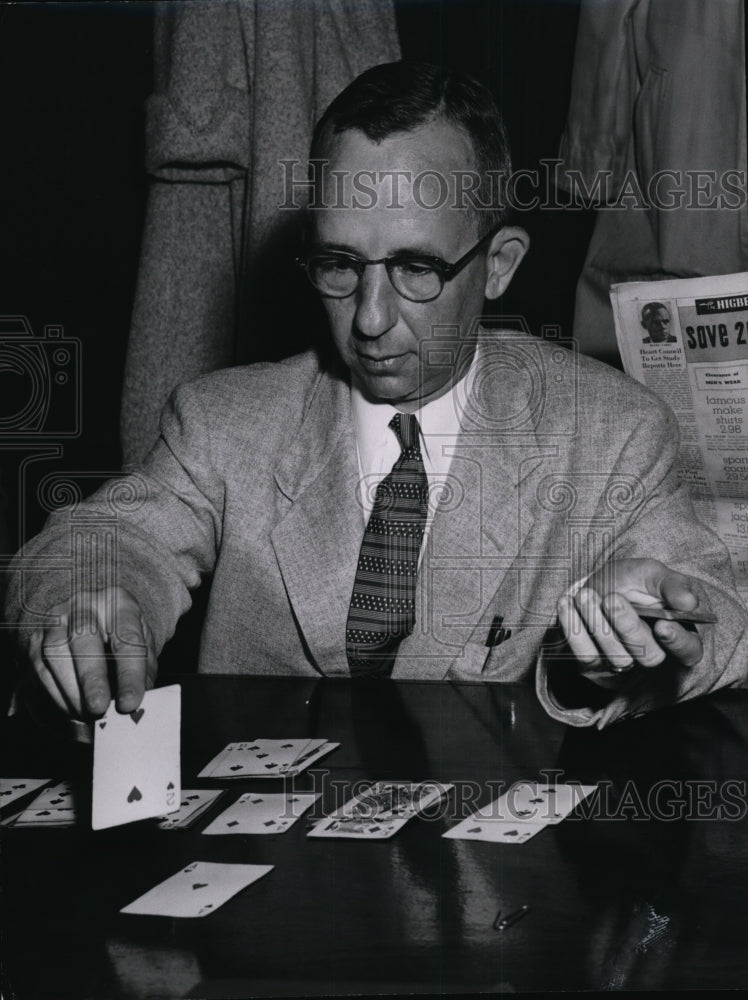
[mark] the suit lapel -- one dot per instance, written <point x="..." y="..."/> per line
<point x="470" y="550"/>
<point x="475" y="538"/>
<point x="478" y="528"/>
<point x="318" y="541"/>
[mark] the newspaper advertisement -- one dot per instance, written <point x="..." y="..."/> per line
<point x="687" y="341"/>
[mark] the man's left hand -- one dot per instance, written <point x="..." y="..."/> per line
<point x="605" y="633"/>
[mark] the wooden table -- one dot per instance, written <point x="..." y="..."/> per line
<point x="632" y="902"/>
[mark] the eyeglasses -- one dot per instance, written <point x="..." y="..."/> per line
<point x="417" y="277"/>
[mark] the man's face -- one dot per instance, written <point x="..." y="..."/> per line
<point x="657" y="325"/>
<point x="376" y="331"/>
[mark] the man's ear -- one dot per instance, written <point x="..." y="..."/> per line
<point x="505" y="253"/>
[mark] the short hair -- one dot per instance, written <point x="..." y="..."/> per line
<point x="401" y="96"/>
<point x="650" y="308"/>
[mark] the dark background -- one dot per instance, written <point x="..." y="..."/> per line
<point x="75" y="78"/>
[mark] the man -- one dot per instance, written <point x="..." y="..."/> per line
<point x="532" y="489"/>
<point x="656" y="321"/>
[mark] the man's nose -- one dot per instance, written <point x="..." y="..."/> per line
<point x="376" y="310"/>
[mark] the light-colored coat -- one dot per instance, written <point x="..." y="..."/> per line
<point x="238" y="85"/>
<point x="561" y="463"/>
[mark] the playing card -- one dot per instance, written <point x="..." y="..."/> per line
<point x="136" y="761"/>
<point x="357" y="828"/>
<point x="15" y="788"/>
<point x="45" y="817"/>
<point x="54" y="807"/>
<point x="263" y="813"/>
<point x="258" y="758"/>
<point x="264" y="758"/>
<point x="393" y="799"/>
<point x="380" y="810"/>
<point x="193" y="804"/>
<point x="496" y="831"/>
<point x="59" y="796"/>
<point x="281" y="754"/>
<point x="533" y="802"/>
<point x="197" y="890"/>
<point x="310" y="755"/>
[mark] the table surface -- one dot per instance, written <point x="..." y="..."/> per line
<point x="622" y="899"/>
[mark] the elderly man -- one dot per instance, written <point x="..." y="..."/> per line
<point x="440" y="501"/>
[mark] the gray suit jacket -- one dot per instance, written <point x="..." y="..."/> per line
<point x="561" y="463"/>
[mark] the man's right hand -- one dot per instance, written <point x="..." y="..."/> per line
<point x="71" y="659"/>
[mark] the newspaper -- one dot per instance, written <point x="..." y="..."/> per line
<point x="687" y="340"/>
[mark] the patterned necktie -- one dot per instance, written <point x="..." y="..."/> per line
<point x="382" y="610"/>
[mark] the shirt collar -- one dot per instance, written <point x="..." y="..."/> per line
<point x="439" y="418"/>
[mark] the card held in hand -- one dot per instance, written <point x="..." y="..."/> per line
<point x="197" y="890"/>
<point x="136" y="761"/>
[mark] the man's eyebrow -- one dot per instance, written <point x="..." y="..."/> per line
<point x="406" y="251"/>
<point x="341" y="247"/>
<point x="415" y="251"/>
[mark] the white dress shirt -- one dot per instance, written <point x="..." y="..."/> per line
<point x="378" y="448"/>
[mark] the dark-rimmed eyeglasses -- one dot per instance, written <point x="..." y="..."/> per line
<point x="417" y="277"/>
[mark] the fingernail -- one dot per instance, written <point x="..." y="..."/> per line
<point x="621" y="666"/>
<point x="98" y="704"/>
<point x="665" y="632"/>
